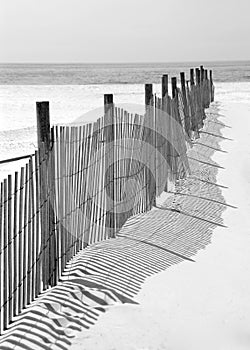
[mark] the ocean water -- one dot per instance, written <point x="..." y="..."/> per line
<point x="127" y="73"/>
<point x="76" y="91"/>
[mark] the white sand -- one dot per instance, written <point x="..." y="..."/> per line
<point x="202" y="305"/>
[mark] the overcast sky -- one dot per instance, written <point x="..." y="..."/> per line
<point x="124" y="30"/>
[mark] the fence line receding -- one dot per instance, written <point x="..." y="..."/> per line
<point x="85" y="181"/>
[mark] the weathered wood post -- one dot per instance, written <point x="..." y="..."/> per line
<point x="43" y="124"/>
<point x="164" y="93"/>
<point x="164" y="86"/>
<point x="46" y="220"/>
<point x="108" y="102"/>
<point x="197" y="76"/>
<point x="150" y="139"/>
<point x="175" y="99"/>
<point x="211" y="85"/>
<point x="202" y="86"/>
<point x="148" y="95"/>
<point x="197" y="100"/>
<point x="206" y="74"/>
<point x="191" y="76"/>
<point x="183" y="90"/>
<point x="109" y="159"/>
<point x="202" y="73"/>
<point x="174" y="87"/>
<point x="192" y="100"/>
<point x="183" y="84"/>
<point x="185" y="101"/>
<point x="207" y="89"/>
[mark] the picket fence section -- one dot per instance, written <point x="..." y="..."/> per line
<point x="85" y="181"/>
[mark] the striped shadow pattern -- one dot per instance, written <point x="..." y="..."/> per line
<point x="113" y="271"/>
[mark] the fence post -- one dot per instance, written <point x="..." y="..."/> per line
<point x="191" y="76"/>
<point x="43" y="138"/>
<point x="109" y="114"/>
<point x="202" y="73"/>
<point x="108" y="102"/>
<point x="150" y="138"/>
<point x="197" y="76"/>
<point x="175" y="99"/>
<point x="174" y="86"/>
<point x="148" y="94"/>
<point x="207" y="89"/>
<point x="164" y="86"/>
<point x="202" y="86"/>
<point x="205" y="74"/>
<point x="211" y="85"/>
<point x="43" y="124"/>
<point x="184" y="94"/>
<point x="183" y="90"/>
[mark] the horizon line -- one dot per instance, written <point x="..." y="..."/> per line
<point x="129" y="62"/>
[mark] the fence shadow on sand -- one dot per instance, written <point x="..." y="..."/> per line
<point x="113" y="271"/>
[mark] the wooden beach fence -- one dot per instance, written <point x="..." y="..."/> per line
<point x="85" y="181"/>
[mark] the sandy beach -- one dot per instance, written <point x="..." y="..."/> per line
<point x="205" y="304"/>
<point x="202" y="305"/>
<point x="124" y="175"/>
<point x="176" y="277"/>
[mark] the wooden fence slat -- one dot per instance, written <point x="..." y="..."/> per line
<point x="55" y="167"/>
<point x="61" y="202"/>
<point x="58" y="212"/>
<point x="29" y="237"/>
<point x="98" y="177"/>
<point x="94" y="219"/>
<point x="33" y="227"/>
<point x="77" y="186"/>
<point x="15" y="246"/>
<point x="44" y="218"/>
<point x="102" y="182"/>
<point x="38" y="288"/>
<point x="5" y="256"/>
<point x="25" y="235"/>
<point x="70" y="247"/>
<point x="20" y="241"/>
<point x="51" y="207"/>
<point x="67" y="204"/>
<point x="90" y="189"/>
<point x="88" y="154"/>
<point x="1" y="257"/>
<point x="82" y="186"/>
<point x="10" y="244"/>
<point x="74" y="232"/>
